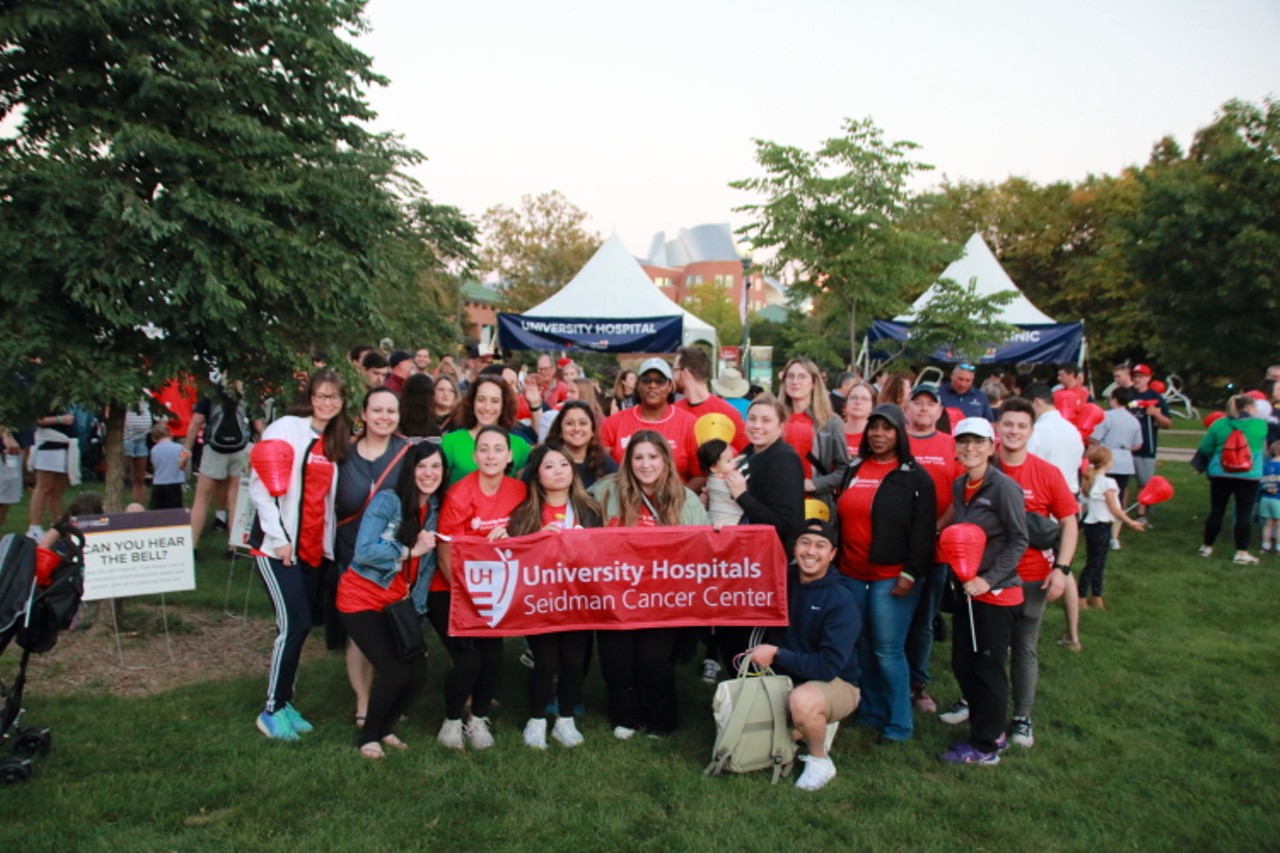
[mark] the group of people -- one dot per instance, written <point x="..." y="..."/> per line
<point x="857" y="482"/>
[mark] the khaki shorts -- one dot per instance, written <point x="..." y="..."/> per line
<point x="842" y="698"/>
<point x="221" y="466"/>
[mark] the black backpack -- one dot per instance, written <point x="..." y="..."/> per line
<point x="228" y="428"/>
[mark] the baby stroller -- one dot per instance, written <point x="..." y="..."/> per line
<point x="40" y="592"/>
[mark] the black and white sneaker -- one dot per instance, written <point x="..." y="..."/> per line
<point x="958" y="714"/>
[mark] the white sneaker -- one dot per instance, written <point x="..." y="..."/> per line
<point x="566" y="732"/>
<point x="817" y="773"/>
<point x="1115" y="544"/>
<point x="1205" y="551"/>
<point x="1266" y="548"/>
<point x="710" y="671"/>
<point x="35" y="532"/>
<point x="623" y="733"/>
<point x="1022" y="733"/>
<point x="535" y="733"/>
<point x="478" y="735"/>
<point x="1244" y="558"/>
<point x="450" y="735"/>
<point x="958" y="714"/>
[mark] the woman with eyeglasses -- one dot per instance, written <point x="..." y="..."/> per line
<point x="858" y="404"/>
<point x="655" y="394"/>
<point x="814" y="431"/>
<point x="292" y="537"/>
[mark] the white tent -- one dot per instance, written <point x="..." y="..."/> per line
<point x="613" y="286"/>
<point x="979" y="263"/>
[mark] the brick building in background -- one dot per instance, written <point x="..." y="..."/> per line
<point x="706" y="254"/>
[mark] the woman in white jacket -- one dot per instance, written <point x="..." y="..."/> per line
<point x="293" y="537"/>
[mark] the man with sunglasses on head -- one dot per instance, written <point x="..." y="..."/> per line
<point x="958" y="393"/>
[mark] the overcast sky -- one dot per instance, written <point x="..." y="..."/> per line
<point x="642" y="113"/>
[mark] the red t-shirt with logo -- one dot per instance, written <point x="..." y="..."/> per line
<point x="936" y="454"/>
<point x="317" y="478"/>
<point x="676" y="426"/>
<point x="798" y="432"/>
<point x="853" y="443"/>
<point x="1046" y="492"/>
<point x="854" y="509"/>
<point x="468" y="511"/>
<point x="719" y="407"/>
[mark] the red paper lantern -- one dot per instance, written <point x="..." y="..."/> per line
<point x="1067" y="403"/>
<point x="1157" y="386"/>
<point x="46" y="562"/>
<point x="1210" y="418"/>
<point x="272" y="461"/>
<point x="961" y="546"/>
<point x="1156" y="491"/>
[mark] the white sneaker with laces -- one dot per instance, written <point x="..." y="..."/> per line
<point x="958" y="714"/>
<point x="623" y="733"/>
<point x="817" y="773"/>
<point x="535" y="733"/>
<point x="565" y="732"/>
<point x="1244" y="558"/>
<point x="1022" y="733"/>
<point x="1205" y="551"/>
<point x="478" y="735"/>
<point x="450" y="735"/>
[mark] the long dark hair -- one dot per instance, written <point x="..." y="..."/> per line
<point x="527" y="517"/>
<point x="596" y="456"/>
<point x="466" y="413"/>
<point x="417" y="404"/>
<point x="337" y="433"/>
<point x="668" y="493"/>
<point x="364" y="406"/>
<point x="407" y="489"/>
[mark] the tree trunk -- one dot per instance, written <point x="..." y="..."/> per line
<point x="113" y="457"/>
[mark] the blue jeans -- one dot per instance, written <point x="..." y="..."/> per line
<point x="886" y="683"/>
<point x="920" y="638"/>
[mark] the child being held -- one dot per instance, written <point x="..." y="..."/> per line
<point x="717" y="459"/>
<point x="1269" y="501"/>
<point x="166" y="460"/>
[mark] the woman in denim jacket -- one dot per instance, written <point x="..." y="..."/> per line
<point x="394" y="558"/>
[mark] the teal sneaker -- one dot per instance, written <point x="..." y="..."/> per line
<point x="276" y="726"/>
<point x="295" y="719"/>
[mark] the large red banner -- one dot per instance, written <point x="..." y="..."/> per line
<point x="663" y="577"/>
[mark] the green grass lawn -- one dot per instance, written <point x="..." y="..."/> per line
<point x="1160" y="735"/>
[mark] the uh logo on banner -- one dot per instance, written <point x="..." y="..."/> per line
<point x="610" y="578"/>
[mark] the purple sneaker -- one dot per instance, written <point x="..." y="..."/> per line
<point x="965" y="754"/>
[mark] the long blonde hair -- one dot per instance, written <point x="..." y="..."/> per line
<point x="819" y="403"/>
<point x="668" y="494"/>
<point x="1099" y="459"/>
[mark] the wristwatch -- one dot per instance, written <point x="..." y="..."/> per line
<point x="1066" y="570"/>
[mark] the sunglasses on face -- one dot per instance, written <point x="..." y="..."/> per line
<point x="653" y="379"/>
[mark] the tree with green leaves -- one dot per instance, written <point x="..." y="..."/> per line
<point x="710" y="302"/>
<point x="535" y="249"/>
<point x="1206" y="244"/>
<point x="836" y="217"/>
<point x="190" y="185"/>
<point x="959" y="319"/>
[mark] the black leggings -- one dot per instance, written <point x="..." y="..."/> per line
<point x="477" y="663"/>
<point x="563" y="654"/>
<point x="1097" y="542"/>
<point x="396" y="682"/>
<point x="1221" y="490"/>
<point x="640" y="676"/>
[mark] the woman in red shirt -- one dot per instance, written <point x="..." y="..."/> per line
<point x="887" y="514"/>
<point x="813" y="430"/>
<point x="480" y="504"/>
<point x="555" y="501"/>
<point x="397" y="531"/>
<point x="858" y="404"/>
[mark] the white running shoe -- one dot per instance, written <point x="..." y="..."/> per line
<point x="817" y="773"/>
<point x="958" y="714"/>
<point x="535" y="733"/>
<point x="1244" y="558"/>
<point x="1205" y="551"/>
<point x="450" y="735"/>
<point x="478" y="734"/>
<point x="566" y="733"/>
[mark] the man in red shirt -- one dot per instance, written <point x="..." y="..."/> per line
<point x="936" y="452"/>
<point x="656" y="412"/>
<point x="692" y="374"/>
<point x="1046" y="493"/>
